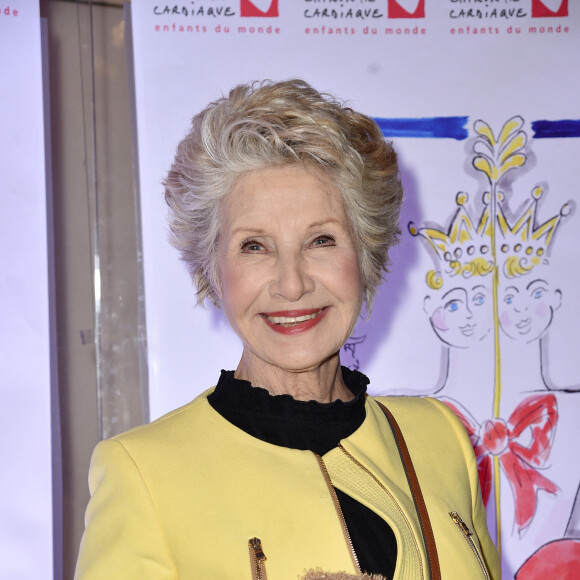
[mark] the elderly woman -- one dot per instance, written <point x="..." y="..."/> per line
<point x="283" y="204"/>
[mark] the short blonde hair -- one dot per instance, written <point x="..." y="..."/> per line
<point x="271" y="124"/>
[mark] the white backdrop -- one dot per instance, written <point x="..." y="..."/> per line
<point x="25" y="422"/>
<point x="428" y="71"/>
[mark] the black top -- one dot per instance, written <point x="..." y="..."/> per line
<point x="319" y="427"/>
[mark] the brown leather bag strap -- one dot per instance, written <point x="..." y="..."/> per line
<point x="428" y="536"/>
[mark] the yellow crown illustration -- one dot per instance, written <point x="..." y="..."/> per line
<point x="522" y="244"/>
<point x="464" y="249"/>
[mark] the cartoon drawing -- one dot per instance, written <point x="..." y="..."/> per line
<point x="349" y="349"/>
<point x="527" y="303"/>
<point x="491" y="302"/>
<point x="459" y="304"/>
<point x="559" y="558"/>
<point x="520" y="455"/>
<point x="461" y="316"/>
<point x="573" y="527"/>
<point x="527" y="299"/>
<point x="527" y="308"/>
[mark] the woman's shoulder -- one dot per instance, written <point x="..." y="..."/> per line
<point x="181" y="422"/>
<point x="407" y="407"/>
<point x="176" y="439"/>
<point x="420" y="417"/>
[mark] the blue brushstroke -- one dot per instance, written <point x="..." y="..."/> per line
<point x="562" y="128"/>
<point x="427" y="127"/>
<point x="456" y="128"/>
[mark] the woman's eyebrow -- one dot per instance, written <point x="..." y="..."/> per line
<point x="249" y="231"/>
<point x="324" y="222"/>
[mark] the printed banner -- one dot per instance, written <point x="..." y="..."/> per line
<point x="480" y="308"/>
<point x="26" y="519"/>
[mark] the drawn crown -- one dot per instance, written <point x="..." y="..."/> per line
<point x="523" y="244"/>
<point x="465" y="247"/>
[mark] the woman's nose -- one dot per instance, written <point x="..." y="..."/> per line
<point x="292" y="279"/>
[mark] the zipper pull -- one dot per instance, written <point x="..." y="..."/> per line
<point x="461" y="524"/>
<point x="256" y="546"/>
<point x="257" y="558"/>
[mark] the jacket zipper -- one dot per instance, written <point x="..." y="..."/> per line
<point x="257" y="559"/>
<point x="403" y="515"/>
<point x="338" y="509"/>
<point x="467" y="533"/>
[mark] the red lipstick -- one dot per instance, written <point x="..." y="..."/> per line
<point x="292" y="328"/>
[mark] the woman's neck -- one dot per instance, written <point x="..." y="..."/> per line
<point x="323" y="383"/>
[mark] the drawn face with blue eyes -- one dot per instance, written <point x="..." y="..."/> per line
<point x="526" y="307"/>
<point x="461" y="317"/>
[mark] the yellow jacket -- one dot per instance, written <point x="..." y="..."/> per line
<point x="182" y="496"/>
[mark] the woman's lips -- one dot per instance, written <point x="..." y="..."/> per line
<point x="294" y="321"/>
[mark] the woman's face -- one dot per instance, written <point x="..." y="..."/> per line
<point x="289" y="275"/>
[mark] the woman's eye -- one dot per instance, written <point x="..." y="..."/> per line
<point x="452" y="306"/>
<point x="252" y="246"/>
<point x="479" y="299"/>
<point x="508" y="299"/>
<point x="323" y="241"/>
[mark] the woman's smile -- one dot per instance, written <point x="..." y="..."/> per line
<point x="294" y="321"/>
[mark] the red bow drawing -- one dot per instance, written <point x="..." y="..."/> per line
<point x="557" y="559"/>
<point x="523" y="445"/>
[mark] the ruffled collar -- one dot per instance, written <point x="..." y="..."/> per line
<point x="284" y="421"/>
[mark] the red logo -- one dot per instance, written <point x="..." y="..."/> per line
<point x="407" y="8"/>
<point x="549" y="8"/>
<point x="260" y="8"/>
